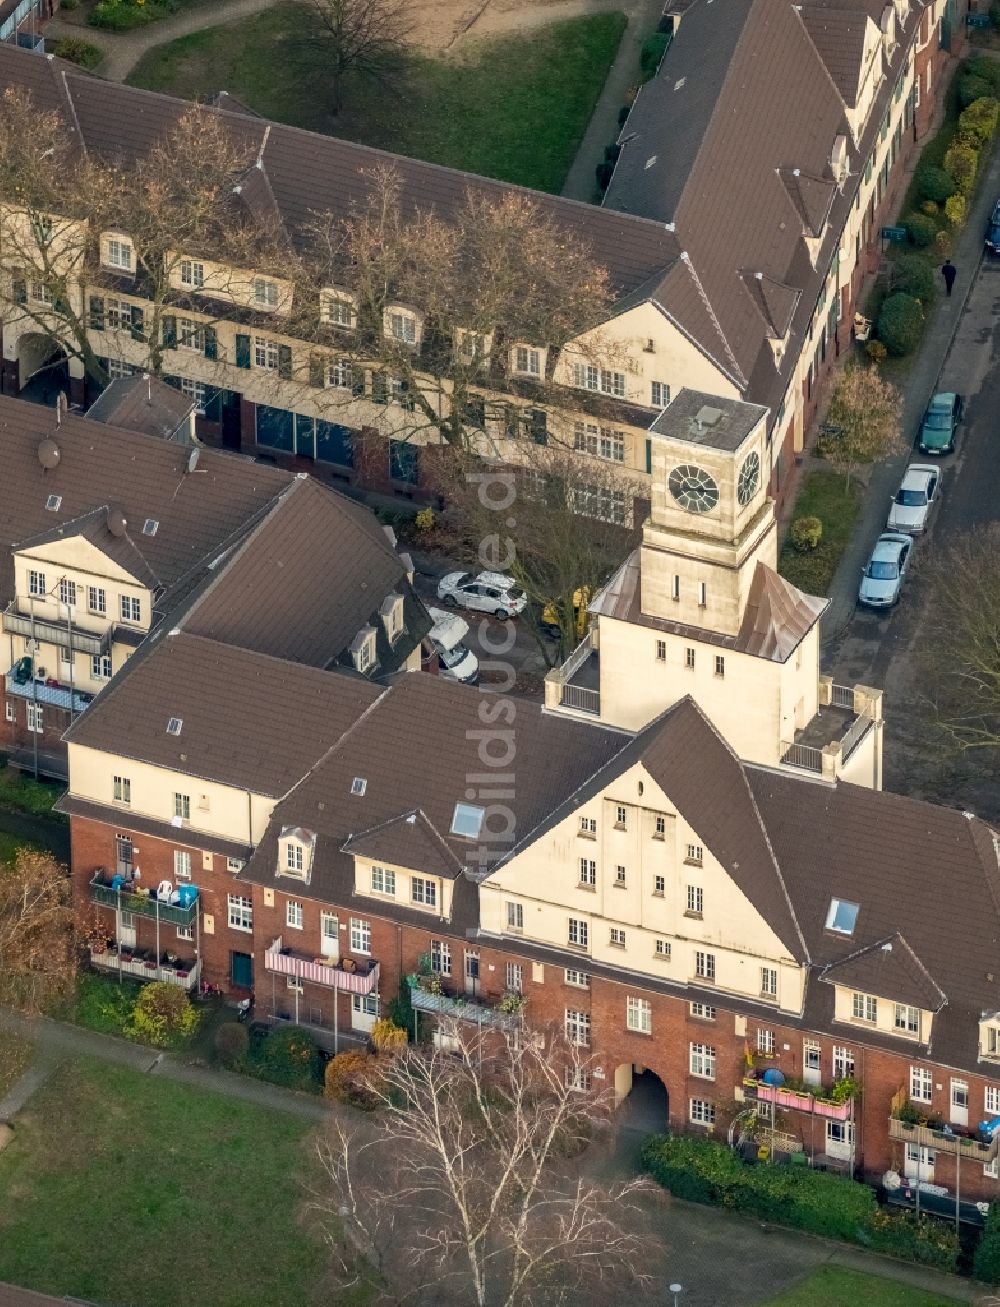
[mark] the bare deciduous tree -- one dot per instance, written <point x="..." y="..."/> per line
<point x="960" y="639"/>
<point x="362" y="38"/>
<point x="862" y="421"/>
<point x="37" y="950"/>
<point x="465" y="1189"/>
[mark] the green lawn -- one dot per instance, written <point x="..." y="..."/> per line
<point x="118" y="1187"/>
<point x="514" y="107"/>
<point x="103" y="1003"/>
<point x="822" y="495"/>
<point x="834" y="1286"/>
<point x="9" y="845"/>
<point x="23" y="794"/>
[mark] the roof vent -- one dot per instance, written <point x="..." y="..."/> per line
<point x="174" y="725"/>
<point x="117" y="522"/>
<point x="679" y="83"/>
<point x="411" y="819"/>
<point x="193" y="457"/>
<point x="150" y="526"/>
<point x="650" y="161"/>
<point x="969" y="816"/>
<point x="359" y="785"/>
<point x="49" y="453"/>
<point x="708" y="416"/>
<point x="53" y="503"/>
<point x="887" y="946"/>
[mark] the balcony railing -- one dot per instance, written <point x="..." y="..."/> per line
<point x="356" y="977"/>
<point x="54" y="696"/>
<point x="826" y="743"/>
<point x="797" y="1100"/>
<point x="938" y="1141"/>
<point x="60" y="633"/>
<point x="141" y="905"/>
<point x="581" y="697"/>
<point x="461" y="1009"/>
<point x="147" y="969"/>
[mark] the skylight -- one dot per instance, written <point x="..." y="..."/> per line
<point x="467" y="821"/>
<point x="53" y="503"/>
<point x="359" y="785"/>
<point x="150" y="526"/>
<point x="174" y="725"/>
<point x="842" y="916"/>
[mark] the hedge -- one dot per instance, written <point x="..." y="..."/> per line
<point x="986" y="1265"/>
<point x="920" y="228"/>
<point x="653" y="49"/>
<point x="705" y="1171"/>
<point x="912" y="275"/>
<point x="933" y="183"/>
<point x="900" y="323"/>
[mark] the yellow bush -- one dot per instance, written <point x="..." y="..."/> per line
<point x="387" y="1036"/>
<point x="425" y="519"/>
<point x="163" y="1015"/>
<point x="954" y="210"/>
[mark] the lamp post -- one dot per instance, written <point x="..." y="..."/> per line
<point x="676" y="1290"/>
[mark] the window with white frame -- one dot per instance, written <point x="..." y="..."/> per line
<point x="527" y="361"/>
<point x="704" y="965"/>
<point x="423" y="891"/>
<point x="97" y="600"/>
<point x="991" y="1100"/>
<point x="338" y="375"/>
<point x="192" y="273"/>
<point x="361" y="935"/>
<point x="578" y="932"/>
<point x="182" y="806"/>
<point x="515" y="977"/>
<point x="185" y="933"/>
<point x="121" y="789"/>
<point x="587" y="376"/>
<point x="588" y="872"/>
<point x="689" y="659"/>
<point x="296" y="984"/>
<point x="403" y="327"/>
<point x="118" y="315"/>
<point x="659" y="394"/>
<point x="383" y="881"/>
<point x="36" y="583"/>
<point x="579" y="1079"/>
<point x="921" y="1084"/>
<point x="10" y="712"/>
<point x="768" y="982"/>
<point x="662" y="948"/>
<point x="67" y="592"/>
<point x="702" y="1061"/>
<point x="811" y="1054"/>
<point x="116" y="370"/>
<point x="197" y="393"/>
<point x="578" y="1028"/>
<point x="191" y="335"/>
<point x="864" y="1007"/>
<point x="695" y="854"/>
<point x="720" y="666"/>
<point x="661" y="651"/>
<point x="765" y="1041"/>
<point x="293" y="914"/>
<point x="843" y="1063"/>
<point x="695" y="900"/>
<point x="118" y="253"/>
<point x="131" y="609"/>
<point x="40" y="292"/>
<point x="992" y="1042"/>
<point x="578" y="979"/>
<point x="295" y="860"/>
<point x="703" y="1011"/>
<point x="240" y="913"/>
<point x="906" y="1018"/>
<point x="621" y="815"/>
<point x="36" y="722"/>
<point x="182" y="864"/>
<point x="660" y="828"/>
<point x="601" y="442"/>
<point x="515" y="915"/>
<point x="365" y="1004"/>
<point x="617" y="937"/>
<point x="441" y="957"/>
<point x="235" y="865"/>
<point x="620" y="874"/>
<point x="639" y="1015"/>
<point x="701" y="1111"/>
<point x="659" y="885"/>
<point x="600" y="502"/>
<point x="588" y="826"/>
<point x="339" y="311"/>
<point x="265" y="292"/>
<point x="265" y="353"/>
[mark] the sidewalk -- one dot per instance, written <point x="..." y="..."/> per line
<point x="921" y="382"/>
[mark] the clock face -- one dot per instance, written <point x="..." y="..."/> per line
<point x="746" y="487"/>
<point x="693" y="488"/>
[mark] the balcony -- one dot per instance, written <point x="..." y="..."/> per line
<point x="51" y="692"/>
<point x="142" y="905"/>
<point x="797" y="1100"/>
<point x="940" y="1141"/>
<point x="59" y="633"/>
<point x="355" y="977"/>
<point x="576" y="686"/>
<point x="125" y="963"/>
<point x="460" y="1007"/>
<point x="844" y="717"/>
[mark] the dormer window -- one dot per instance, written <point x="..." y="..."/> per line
<point x="338" y="309"/>
<point x="401" y="325"/>
<point x="265" y="293"/>
<point x="527" y="360"/>
<point x="118" y="253"/>
<point x="391" y="613"/>
<point x="864" y="1007"/>
<point x="294" y="858"/>
<point x="842" y="917"/>
<point x="989" y="1039"/>
<point x="363" y="649"/>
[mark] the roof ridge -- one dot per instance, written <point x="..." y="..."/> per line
<point x="405" y="817"/>
<point x="686" y="258"/>
<point x="341" y="739"/>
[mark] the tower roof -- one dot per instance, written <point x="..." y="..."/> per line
<point x="777" y="616"/>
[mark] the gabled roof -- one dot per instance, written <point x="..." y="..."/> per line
<point x="777" y="617"/>
<point x="775" y="302"/>
<point x="94" y="527"/>
<point x="409" y="840"/>
<point x="812" y="196"/>
<point x="143" y="403"/>
<point x="839" y="38"/>
<point x="889" y="969"/>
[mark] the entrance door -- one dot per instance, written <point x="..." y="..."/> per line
<point x="123" y="855"/>
<point x="241" y="970"/>
<point x="231" y="422"/>
<point x="810" y="1063"/>
<point x="471" y="972"/>
<point x="329" y="930"/>
<point x="840" y="1140"/>
<point x="364" y="1011"/>
<point x="959" y="1102"/>
<point x="919" y="1163"/>
<point x="126" y="929"/>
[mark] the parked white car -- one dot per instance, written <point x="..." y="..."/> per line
<point x="489" y="592"/>
<point x="456" y="660"/>
<point x="882" y="579"/>
<point x="912" y="503"/>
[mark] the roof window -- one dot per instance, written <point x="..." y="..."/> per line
<point x="842" y="916"/>
<point x="359" y="785"/>
<point x="467" y="821"/>
<point x="174" y="725"/>
<point x="53" y="503"/>
<point x="150" y="526"/>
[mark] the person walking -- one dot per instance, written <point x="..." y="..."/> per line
<point x="949" y="272"/>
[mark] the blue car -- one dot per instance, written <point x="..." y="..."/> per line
<point x="993" y="230"/>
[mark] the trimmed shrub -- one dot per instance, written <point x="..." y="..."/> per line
<point x="943" y="244"/>
<point x="920" y="229"/>
<point x="972" y="88"/>
<point x="986" y="1265"/>
<point x="653" y="49"/>
<point x="231" y="1044"/>
<point x="69" y="5"/>
<point x="981" y="65"/>
<point x="954" y="210"/>
<point x="876" y="351"/>
<point x="163" y="1015"/>
<point x="934" y="183"/>
<point x="290" y="1057"/>
<point x="347" y="1076"/>
<point x="805" y="533"/>
<point x="980" y="120"/>
<point x="76" y="51"/>
<point x="900" y="323"/>
<point x="930" y="208"/>
<point x="960" y="164"/>
<point x="913" y="275"/>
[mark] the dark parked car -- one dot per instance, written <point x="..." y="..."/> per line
<point x="993" y="230"/>
<point x="937" y="431"/>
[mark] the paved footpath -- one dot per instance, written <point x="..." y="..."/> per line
<point x="920" y="384"/>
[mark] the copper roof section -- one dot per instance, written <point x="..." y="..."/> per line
<point x="777" y="617"/>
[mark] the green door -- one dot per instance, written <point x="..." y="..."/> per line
<point x="241" y="970"/>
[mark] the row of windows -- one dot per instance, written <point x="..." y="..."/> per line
<point x="690" y="659"/>
<point x="69" y="592"/>
<point x="864" y="1007"/>
<point x="693" y="853"/>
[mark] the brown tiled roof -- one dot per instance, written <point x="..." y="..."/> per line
<point x="888" y="969"/>
<point x="94" y="527"/>
<point x="142" y="403"/>
<point x="306" y="580"/>
<point x="409" y="840"/>
<point x="198" y="512"/>
<point x="839" y="38"/>
<point x="776" y="302"/>
<point x="812" y="196"/>
<point x="248" y="720"/>
<point x="13" y="1296"/>
<point x="778" y="616"/>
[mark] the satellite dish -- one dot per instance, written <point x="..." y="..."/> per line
<point x="49" y="453"/>
<point x="193" y="459"/>
<point x="116" y="522"/>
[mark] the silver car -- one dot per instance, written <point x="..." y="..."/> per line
<point x="489" y="592"/>
<point x="882" y="579"/>
<point x="911" y="505"/>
